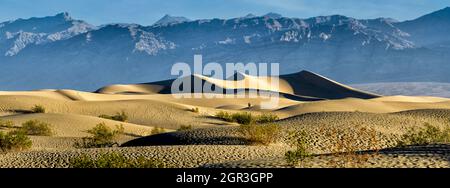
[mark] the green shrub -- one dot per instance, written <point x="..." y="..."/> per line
<point x="260" y="134"/>
<point x="120" y="116"/>
<point x="6" y="123"/>
<point x="301" y="148"/>
<point x="114" y="160"/>
<point x="38" y="109"/>
<point x="14" y="141"/>
<point x="157" y="130"/>
<point x="427" y="135"/>
<point x="184" y="127"/>
<point x="102" y="136"/>
<point x="36" y="127"/>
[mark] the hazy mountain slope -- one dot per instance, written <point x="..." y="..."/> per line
<point x="429" y="30"/>
<point x="168" y="19"/>
<point x="66" y="53"/>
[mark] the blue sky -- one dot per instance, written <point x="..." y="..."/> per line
<point x="146" y="12"/>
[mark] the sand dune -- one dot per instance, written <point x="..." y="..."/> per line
<point x="305" y="100"/>
<point x="389" y="126"/>
<point x="302" y="84"/>
<point x="399" y="98"/>
<point x="360" y="105"/>
<point x="71" y="125"/>
<point x="306" y="83"/>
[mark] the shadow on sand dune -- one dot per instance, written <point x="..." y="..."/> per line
<point x="432" y="149"/>
<point x="178" y="139"/>
<point x="438" y="149"/>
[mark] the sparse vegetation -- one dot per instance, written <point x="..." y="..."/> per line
<point x="102" y="136"/>
<point x="157" y="130"/>
<point x="185" y="127"/>
<point x="224" y="116"/>
<point x="120" y="116"/>
<point x="14" y="141"/>
<point x="260" y="134"/>
<point x="346" y="150"/>
<point x="246" y="118"/>
<point x="114" y="160"/>
<point x="6" y="123"/>
<point x="195" y="110"/>
<point x="427" y="135"/>
<point x="267" y="118"/>
<point x="301" y="150"/>
<point x="38" y="109"/>
<point x="36" y="127"/>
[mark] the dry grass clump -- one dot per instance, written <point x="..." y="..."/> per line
<point x="157" y="130"/>
<point x="260" y="134"/>
<point x="102" y="136"/>
<point x="224" y="116"/>
<point x="114" y="160"/>
<point x="120" y="116"/>
<point x="301" y="148"/>
<point x="6" y="123"/>
<point x="246" y="118"/>
<point x="14" y="141"/>
<point x="37" y="128"/>
<point x="195" y="110"/>
<point x="346" y="148"/>
<point x="38" y="109"/>
<point x="428" y="134"/>
<point x="267" y="118"/>
<point x="184" y="127"/>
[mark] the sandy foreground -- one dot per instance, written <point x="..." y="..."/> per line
<point x="215" y="143"/>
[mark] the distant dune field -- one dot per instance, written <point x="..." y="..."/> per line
<point x="408" y="88"/>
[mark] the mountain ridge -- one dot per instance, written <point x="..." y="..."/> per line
<point x="343" y="48"/>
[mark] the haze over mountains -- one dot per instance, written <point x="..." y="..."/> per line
<point x="62" y="52"/>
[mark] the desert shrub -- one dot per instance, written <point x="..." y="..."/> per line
<point x="157" y="130"/>
<point x="38" y="109"/>
<point x="120" y="116"/>
<point x="6" y="123"/>
<point x="114" y="160"/>
<point x="246" y="118"/>
<point x="301" y="150"/>
<point x="195" y="110"/>
<point x="347" y="146"/>
<point x="14" y="141"/>
<point x="184" y="127"/>
<point x="267" y="118"/>
<point x="260" y="134"/>
<point x="427" y="135"/>
<point x="36" y="127"/>
<point x="224" y="116"/>
<point x="102" y="136"/>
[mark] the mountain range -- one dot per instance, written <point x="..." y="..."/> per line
<point x="62" y="52"/>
